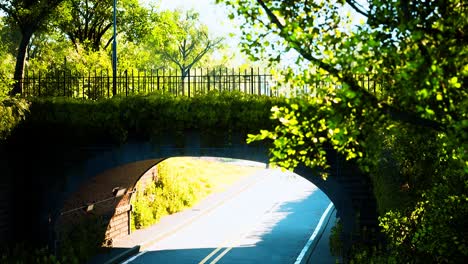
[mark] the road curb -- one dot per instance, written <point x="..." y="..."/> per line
<point x="124" y="255"/>
<point x="316" y="236"/>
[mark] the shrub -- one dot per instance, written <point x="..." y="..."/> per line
<point x="435" y="229"/>
<point x="12" y="112"/>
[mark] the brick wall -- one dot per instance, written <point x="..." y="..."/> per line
<point x="119" y="225"/>
<point x="115" y="212"/>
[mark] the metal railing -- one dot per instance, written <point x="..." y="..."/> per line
<point x="98" y="84"/>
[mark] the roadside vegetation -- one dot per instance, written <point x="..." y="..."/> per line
<point x="182" y="183"/>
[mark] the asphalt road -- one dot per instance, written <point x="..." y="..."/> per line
<point x="268" y="218"/>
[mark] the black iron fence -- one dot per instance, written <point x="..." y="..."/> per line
<point x="99" y="83"/>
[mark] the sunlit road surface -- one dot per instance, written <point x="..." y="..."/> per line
<point x="268" y="218"/>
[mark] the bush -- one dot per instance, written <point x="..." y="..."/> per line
<point x="435" y="229"/>
<point x="12" y="112"/>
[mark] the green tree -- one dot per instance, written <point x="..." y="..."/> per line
<point x="28" y="16"/>
<point x="185" y="41"/>
<point x="89" y="22"/>
<point x="388" y="91"/>
<point x="7" y="59"/>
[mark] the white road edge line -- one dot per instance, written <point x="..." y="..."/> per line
<point x="311" y="239"/>
<point x="133" y="258"/>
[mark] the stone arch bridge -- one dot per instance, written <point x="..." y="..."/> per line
<point x="112" y="168"/>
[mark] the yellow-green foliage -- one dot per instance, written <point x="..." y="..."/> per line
<point x="181" y="183"/>
<point x="12" y="112"/>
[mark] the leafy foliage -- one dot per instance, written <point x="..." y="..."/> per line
<point x="29" y="17"/>
<point x="187" y="41"/>
<point x="408" y="115"/>
<point x="148" y="116"/>
<point x="12" y="112"/>
<point x="89" y="23"/>
<point x="70" y="35"/>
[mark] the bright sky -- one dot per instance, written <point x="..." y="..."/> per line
<point x="213" y="15"/>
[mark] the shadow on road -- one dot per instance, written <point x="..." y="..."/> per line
<point x="273" y="241"/>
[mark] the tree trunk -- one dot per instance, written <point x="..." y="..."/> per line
<point x="20" y="62"/>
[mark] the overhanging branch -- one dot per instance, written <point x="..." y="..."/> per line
<point x="357" y="7"/>
<point x="384" y="108"/>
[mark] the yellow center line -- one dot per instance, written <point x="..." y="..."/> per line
<point x="210" y="255"/>
<point x="221" y="255"/>
<point x="238" y="238"/>
<point x="224" y="243"/>
<point x="193" y="219"/>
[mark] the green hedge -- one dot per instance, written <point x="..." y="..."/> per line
<point x="148" y="116"/>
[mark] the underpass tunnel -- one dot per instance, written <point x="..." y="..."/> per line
<point x="107" y="197"/>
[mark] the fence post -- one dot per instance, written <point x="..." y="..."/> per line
<point x="188" y="85"/>
<point x="220" y="80"/>
<point x="201" y="86"/>
<point x="259" y="77"/>
<point x="239" y="78"/>
<point x="64" y="83"/>
<point x="151" y="85"/>
<point x="133" y="82"/>
<point x="208" y="75"/>
<point x="170" y="82"/>
<point x="144" y="81"/>
<point x="182" y="81"/>
<point x="89" y="84"/>
<point x="157" y="79"/>
<point x="95" y="85"/>
<point x="108" y="83"/>
<point x="195" y="82"/>
<point x="251" y="80"/>
<point x="102" y="89"/>
<point x="126" y="82"/>
<point x="227" y="80"/>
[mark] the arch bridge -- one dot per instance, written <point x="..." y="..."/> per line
<point x="113" y="169"/>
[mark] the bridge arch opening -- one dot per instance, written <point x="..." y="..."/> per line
<point x="101" y="193"/>
<point x="134" y="158"/>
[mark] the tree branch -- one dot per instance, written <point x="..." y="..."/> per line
<point x="384" y="108"/>
<point x="357" y="7"/>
